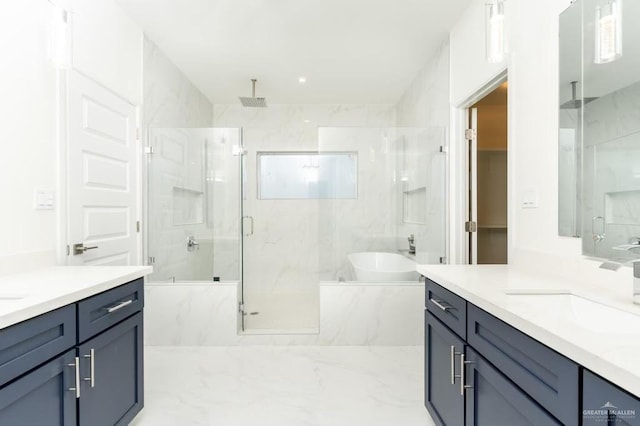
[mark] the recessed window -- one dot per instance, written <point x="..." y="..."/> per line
<point x="307" y="175"/>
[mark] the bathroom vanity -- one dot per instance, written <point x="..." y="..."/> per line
<point x="503" y="347"/>
<point x="71" y="350"/>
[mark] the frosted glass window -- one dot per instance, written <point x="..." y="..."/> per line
<point x="304" y="175"/>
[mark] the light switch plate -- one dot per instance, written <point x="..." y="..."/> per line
<point x="44" y="199"/>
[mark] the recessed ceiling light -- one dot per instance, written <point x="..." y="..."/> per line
<point x="302" y="80"/>
<point x="307" y="121"/>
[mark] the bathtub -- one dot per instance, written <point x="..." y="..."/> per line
<point x="377" y="266"/>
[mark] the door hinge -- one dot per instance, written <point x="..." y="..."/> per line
<point x="470" y="226"/>
<point x="148" y="150"/>
<point x="137" y="133"/>
<point x="137" y="226"/>
<point x="444" y="148"/>
<point x="443" y="259"/>
<point x="151" y="260"/>
<point x="241" y="307"/>
<point x="470" y="134"/>
<point x="68" y="250"/>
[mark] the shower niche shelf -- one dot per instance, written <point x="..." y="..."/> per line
<point x="414" y="205"/>
<point x="188" y="206"/>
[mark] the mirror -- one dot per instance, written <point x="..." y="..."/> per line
<point x="599" y="127"/>
<point x="611" y="129"/>
<point x="570" y="122"/>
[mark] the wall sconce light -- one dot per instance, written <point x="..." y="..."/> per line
<point x="495" y="31"/>
<point x="608" y="32"/>
<point x="61" y="38"/>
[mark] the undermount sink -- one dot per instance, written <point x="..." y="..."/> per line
<point x="584" y="312"/>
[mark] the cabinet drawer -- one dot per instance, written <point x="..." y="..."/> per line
<point x="27" y="344"/>
<point x="447" y="307"/>
<point x="604" y="403"/>
<point x="103" y="310"/>
<point x="548" y="377"/>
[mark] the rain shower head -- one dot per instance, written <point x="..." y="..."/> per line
<point x="575" y="103"/>
<point x="253" y="102"/>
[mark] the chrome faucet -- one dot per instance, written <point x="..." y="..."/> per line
<point x="412" y="244"/>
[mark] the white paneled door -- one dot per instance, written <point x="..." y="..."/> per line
<point x="102" y="178"/>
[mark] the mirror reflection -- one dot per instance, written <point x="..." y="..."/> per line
<point x="599" y="128"/>
<point x="611" y="130"/>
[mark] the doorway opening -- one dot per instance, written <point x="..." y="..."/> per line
<point x="487" y="225"/>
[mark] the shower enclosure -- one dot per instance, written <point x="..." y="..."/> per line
<point x="232" y="205"/>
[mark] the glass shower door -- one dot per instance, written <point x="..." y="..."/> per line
<point x="193" y="204"/>
<point x="280" y="283"/>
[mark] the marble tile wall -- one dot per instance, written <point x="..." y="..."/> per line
<point x="611" y="138"/>
<point x="422" y="118"/>
<point x="368" y="222"/>
<point x="202" y="314"/>
<point x="176" y="186"/>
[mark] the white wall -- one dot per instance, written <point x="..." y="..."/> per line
<point x="107" y="48"/>
<point x="533" y="119"/>
<point x="28" y="142"/>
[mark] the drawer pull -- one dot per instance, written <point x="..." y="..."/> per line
<point x="119" y="306"/>
<point x="77" y="377"/>
<point x="463" y="364"/>
<point x="439" y="304"/>
<point x="453" y="364"/>
<point x="92" y="368"/>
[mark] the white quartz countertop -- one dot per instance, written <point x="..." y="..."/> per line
<point x="603" y="337"/>
<point x="26" y="295"/>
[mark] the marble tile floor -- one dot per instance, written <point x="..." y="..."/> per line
<point x="284" y="386"/>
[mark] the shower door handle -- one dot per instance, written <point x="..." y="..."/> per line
<point x="248" y="234"/>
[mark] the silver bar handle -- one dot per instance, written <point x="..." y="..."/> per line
<point x="92" y="368"/>
<point x="119" y="306"/>
<point x="439" y="304"/>
<point x="77" y="377"/>
<point x="453" y="365"/>
<point x="463" y="364"/>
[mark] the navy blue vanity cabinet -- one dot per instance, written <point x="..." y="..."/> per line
<point x="443" y="397"/>
<point x="606" y="404"/>
<point x="548" y="377"/>
<point x="37" y="369"/>
<point x="493" y="400"/>
<point x="80" y="365"/>
<point x="112" y="388"/>
<point x="111" y="354"/>
<point x="480" y="371"/>
<point x="445" y="331"/>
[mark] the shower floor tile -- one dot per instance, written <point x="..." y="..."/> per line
<point x="284" y="386"/>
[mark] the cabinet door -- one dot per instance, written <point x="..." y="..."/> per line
<point x="493" y="400"/>
<point x="42" y="397"/>
<point x="443" y="398"/>
<point x="606" y="404"/>
<point x="115" y="395"/>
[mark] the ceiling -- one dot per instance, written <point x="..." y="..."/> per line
<point x="350" y="51"/>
